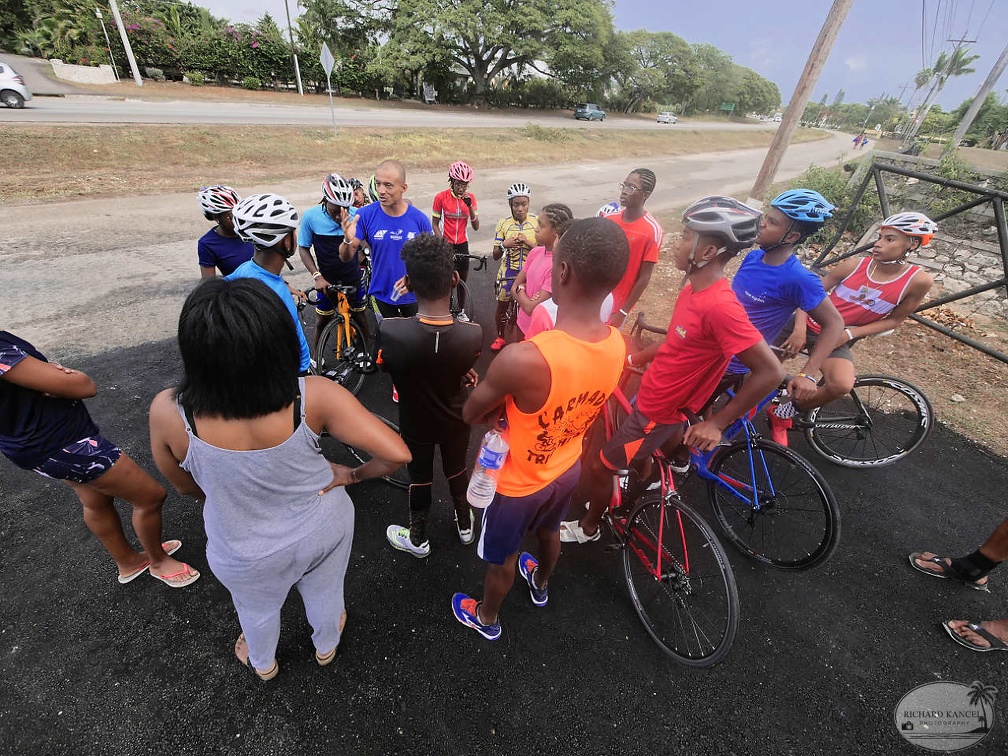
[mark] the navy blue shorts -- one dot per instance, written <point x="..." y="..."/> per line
<point x="508" y="519"/>
<point x="82" y="461"/>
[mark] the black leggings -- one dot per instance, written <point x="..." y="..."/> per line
<point x="421" y="471"/>
<point x="396" y="311"/>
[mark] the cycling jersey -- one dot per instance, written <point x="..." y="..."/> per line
<point x="386" y="235"/>
<point x="513" y="258"/>
<point x="861" y="299"/>
<point x="645" y="237"/>
<point x="223" y="252"/>
<point x="321" y="231"/>
<point x="454" y="215"/>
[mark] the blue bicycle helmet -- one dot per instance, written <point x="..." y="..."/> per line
<point x="804" y="205"/>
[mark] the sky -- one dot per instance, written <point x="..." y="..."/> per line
<point x="879" y="49"/>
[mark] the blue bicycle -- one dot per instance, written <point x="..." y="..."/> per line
<point x="770" y="503"/>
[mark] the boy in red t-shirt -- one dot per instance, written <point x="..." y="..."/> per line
<point x="708" y="327"/>
<point x="454" y="209"/>
<point x="645" y="237"/>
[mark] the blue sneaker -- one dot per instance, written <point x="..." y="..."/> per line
<point x="467" y="612"/>
<point x="527" y="565"/>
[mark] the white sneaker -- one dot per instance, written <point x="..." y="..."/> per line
<point x="398" y="536"/>
<point x="466" y="534"/>
<point x="572" y="532"/>
<point x="462" y="317"/>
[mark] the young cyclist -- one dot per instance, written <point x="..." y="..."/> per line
<point x="270" y="222"/>
<point x="708" y="326"/>
<point x="385" y="226"/>
<point x="513" y="238"/>
<point x="454" y="209"/>
<point x="549" y="400"/>
<point x="430" y="357"/>
<point x="645" y="236"/>
<point x="360" y="197"/>
<point x="220" y="248"/>
<point x="45" y="427"/>
<point x="772" y="284"/>
<point x="533" y="285"/>
<point x="321" y="228"/>
<point x="873" y="294"/>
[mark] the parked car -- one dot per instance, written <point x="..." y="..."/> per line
<point x="667" y="117"/>
<point x="13" y="92"/>
<point x="588" y="111"/>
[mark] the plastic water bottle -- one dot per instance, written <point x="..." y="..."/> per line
<point x="483" y="483"/>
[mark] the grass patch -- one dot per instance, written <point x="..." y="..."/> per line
<point x="64" y="162"/>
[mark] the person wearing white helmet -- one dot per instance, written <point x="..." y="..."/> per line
<point x="270" y="222"/>
<point x="708" y="326"/>
<point x="514" y="236"/>
<point x="874" y="293"/>
<point x="321" y="228"/>
<point x="220" y="248"/>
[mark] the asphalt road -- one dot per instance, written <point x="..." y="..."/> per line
<point x="819" y="664"/>
<point x="131" y="108"/>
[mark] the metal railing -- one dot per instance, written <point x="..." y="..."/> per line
<point x="981" y="196"/>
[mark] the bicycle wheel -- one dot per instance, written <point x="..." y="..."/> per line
<point x="797" y="523"/>
<point x="400" y="478"/>
<point x="881" y="421"/>
<point x="341" y="362"/>
<point x="680" y="582"/>
<point x="454" y="305"/>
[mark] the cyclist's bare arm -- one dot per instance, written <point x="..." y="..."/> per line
<point x="207" y="272"/>
<point x="50" y="378"/>
<point x="796" y="341"/>
<point x="832" y="333"/>
<point x="641" y="358"/>
<point x="435" y="221"/>
<point x="169" y="443"/>
<point x="918" y="289"/>
<point x="643" y="279"/>
<point x="766" y="372"/>
<point x="305" y="254"/>
<point x="519" y="371"/>
<point x="331" y="407"/>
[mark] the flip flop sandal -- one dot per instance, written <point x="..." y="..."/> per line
<point x="186" y="576"/>
<point x="996" y="644"/>
<point x="946" y="571"/>
<point x="246" y="662"/>
<point x="170" y="548"/>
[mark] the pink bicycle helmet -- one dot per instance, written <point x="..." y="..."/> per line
<point x="460" y="171"/>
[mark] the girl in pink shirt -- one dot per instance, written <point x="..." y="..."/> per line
<point x="533" y="284"/>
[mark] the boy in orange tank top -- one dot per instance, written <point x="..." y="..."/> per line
<point x="549" y="399"/>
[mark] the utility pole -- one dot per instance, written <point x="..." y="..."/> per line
<point x="978" y="101"/>
<point x="126" y="43"/>
<point x="290" y="33"/>
<point x="813" y="67"/>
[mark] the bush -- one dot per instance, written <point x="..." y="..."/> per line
<point x="196" y="78"/>
<point x="252" y="82"/>
<point x="154" y="73"/>
<point x="544" y="133"/>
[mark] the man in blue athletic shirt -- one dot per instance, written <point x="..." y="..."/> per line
<point x="385" y="226"/>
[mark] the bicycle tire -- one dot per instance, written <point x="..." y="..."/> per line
<point x="881" y="421"/>
<point x="400" y="478"/>
<point x="797" y="526"/>
<point x="692" y="611"/>
<point x="342" y="363"/>
<point x="453" y="303"/>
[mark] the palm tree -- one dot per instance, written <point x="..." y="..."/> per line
<point x="947" y="66"/>
<point x="982" y="694"/>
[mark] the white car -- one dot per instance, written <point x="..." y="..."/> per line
<point x="13" y="92"/>
<point x="667" y="117"/>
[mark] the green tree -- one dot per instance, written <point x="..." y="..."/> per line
<point x="660" y="66"/>
<point x="715" y="75"/>
<point x="753" y="93"/>
<point x="945" y="67"/>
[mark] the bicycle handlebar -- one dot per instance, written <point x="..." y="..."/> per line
<point x="481" y="260"/>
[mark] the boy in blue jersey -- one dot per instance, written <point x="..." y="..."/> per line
<point x="772" y="283"/>
<point x="321" y="228"/>
<point x="269" y="222"/>
<point x="220" y="248"/>
<point x="385" y="226"/>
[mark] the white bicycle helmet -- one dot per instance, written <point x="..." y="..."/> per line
<point x="610" y="208"/>
<point x="518" y="190"/>
<point x="337" y="190"/>
<point x="217" y="199"/>
<point x="913" y="224"/>
<point x="727" y="217"/>
<point x="264" y="219"/>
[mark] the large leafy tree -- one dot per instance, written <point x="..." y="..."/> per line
<point x="487" y="38"/>
<point x="662" y="68"/>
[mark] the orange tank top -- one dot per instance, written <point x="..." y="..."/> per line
<point x="545" y="444"/>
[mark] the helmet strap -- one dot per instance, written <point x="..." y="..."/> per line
<point x="780" y="242"/>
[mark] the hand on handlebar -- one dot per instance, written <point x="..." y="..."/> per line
<point x="801" y="388"/>
<point x="321" y="284"/>
<point x="703" y="436"/>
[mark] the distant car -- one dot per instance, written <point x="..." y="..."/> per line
<point x="588" y="111"/>
<point x="777" y="117"/>
<point x="667" y="117"/>
<point x="13" y="92"/>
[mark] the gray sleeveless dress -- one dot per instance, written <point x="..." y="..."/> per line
<point x="268" y="530"/>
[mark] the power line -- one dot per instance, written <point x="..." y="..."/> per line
<point x="923" y="26"/>
<point x="934" y="30"/>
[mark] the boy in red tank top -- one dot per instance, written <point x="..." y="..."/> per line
<point x="873" y="294"/>
<point x="549" y="399"/>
